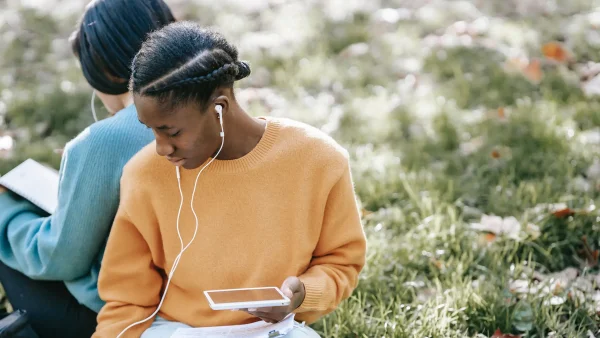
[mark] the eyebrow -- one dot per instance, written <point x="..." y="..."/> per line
<point x="163" y="127"/>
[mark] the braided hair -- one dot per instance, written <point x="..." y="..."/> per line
<point x="183" y="63"/>
<point x="109" y="35"/>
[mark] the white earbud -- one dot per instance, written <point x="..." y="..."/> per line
<point x="183" y="248"/>
<point x="219" y="109"/>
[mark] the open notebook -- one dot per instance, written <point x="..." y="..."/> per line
<point x="255" y="330"/>
<point x="35" y="182"/>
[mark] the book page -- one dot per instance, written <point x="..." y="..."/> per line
<point x="35" y="182"/>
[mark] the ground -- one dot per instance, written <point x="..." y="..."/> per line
<point x="473" y="129"/>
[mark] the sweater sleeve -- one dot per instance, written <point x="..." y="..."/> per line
<point x="339" y="255"/>
<point x="129" y="283"/>
<point x="64" y="245"/>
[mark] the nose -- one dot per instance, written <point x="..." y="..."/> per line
<point x="163" y="147"/>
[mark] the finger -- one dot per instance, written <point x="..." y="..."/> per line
<point x="275" y="310"/>
<point x="293" y="284"/>
<point x="267" y="317"/>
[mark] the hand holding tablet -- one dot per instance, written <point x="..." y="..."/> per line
<point x="270" y="304"/>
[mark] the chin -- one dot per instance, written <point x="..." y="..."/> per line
<point x="190" y="165"/>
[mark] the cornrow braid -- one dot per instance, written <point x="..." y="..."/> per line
<point x="236" y="71"/>
<point x="184" y="62"/>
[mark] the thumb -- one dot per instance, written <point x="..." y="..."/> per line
<point x="288" y="287"/>
<point x="288" y="292"/>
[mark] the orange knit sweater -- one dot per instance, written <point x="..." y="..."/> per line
<point x="287" y="208"/>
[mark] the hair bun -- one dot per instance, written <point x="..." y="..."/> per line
<point x="243" y="69"/>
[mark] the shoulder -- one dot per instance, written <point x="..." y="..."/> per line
<point x="312" y="143"/>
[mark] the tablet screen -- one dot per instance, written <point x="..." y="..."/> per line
<point x="245" y="295"/>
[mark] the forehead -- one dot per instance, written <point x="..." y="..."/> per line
<point x="153" y="113"/>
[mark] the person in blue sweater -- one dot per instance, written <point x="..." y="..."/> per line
<point x="49" y="264"/>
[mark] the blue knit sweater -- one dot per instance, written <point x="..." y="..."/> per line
<point x="69" y="244"/>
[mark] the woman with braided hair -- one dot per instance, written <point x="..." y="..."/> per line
<point x="274" y="205"/>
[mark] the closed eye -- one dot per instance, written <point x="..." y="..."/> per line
<point x="175" y="134"/>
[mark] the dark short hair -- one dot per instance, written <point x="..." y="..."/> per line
<point x="184" y="62"/>
<point x="110" y="33"/>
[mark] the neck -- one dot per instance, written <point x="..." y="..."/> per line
<point x="242" y="133"/>
<point x="124" y="101"/>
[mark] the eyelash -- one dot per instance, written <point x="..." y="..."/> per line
<point x="171" y="135"/>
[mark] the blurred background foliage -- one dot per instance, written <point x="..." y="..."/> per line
<point x="473" y="127"/>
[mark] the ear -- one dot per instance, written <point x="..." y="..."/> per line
<point x="222" y="101"/>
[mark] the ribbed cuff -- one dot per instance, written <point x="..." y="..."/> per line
<point x="313" y="295"/>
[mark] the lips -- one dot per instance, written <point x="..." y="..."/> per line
<point x="177" y="161"/>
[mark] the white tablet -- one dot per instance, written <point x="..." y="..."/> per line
<point x="248" y="298"/>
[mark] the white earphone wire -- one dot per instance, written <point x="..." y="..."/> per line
<point x="183" y="249"/>
<point x="93" y="107"/>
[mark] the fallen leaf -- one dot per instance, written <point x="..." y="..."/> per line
<point x="556" y="51"/>
<point x="355" y="50"/>
<point x="591" y="87"/>
<point x="533" y="71"/>
<point x="501" y="112"/>
<point x="562" y="213"/>
<point x="516" y="64"/>
<point x="471" y="146"/>
<point x="489" y="237"/>
<point x="497" y="225"/>
<point x="555" y="300"/>
<point x="499" y="334"/>
<point x="530" y="69"/>
<point x="438" y="264"/>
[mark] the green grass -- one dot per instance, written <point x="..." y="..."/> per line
<point x="407" y="109"/>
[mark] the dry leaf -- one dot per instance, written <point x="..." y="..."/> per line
<point x="533" y="71"/>
<point x="530" y="69"/>
<point x="562" y="213"/>
<point x="438" y="264"/>
<point x="499" y="334"/>
<point x="556" y="51"/>
<point x="471" y="146"/>
<point x="489" y="237"/>
<point x="497" y="225"/>
<point x="501" y="113"/>
<point x="516" y="64"/>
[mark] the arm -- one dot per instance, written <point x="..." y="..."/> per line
<point x="339" y="256"/>
<point x="63" y="246"/>
<point x="128" y="281"/>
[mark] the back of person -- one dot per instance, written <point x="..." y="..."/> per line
<point x="50" y="264"/>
